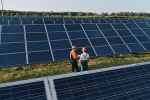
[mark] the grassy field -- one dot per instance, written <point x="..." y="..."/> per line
<point x="11" y="74"/>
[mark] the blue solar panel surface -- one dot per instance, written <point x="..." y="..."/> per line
<point x="130" y="82"/>
<point x="36" y="40"/>
<point x="24" y="91"/>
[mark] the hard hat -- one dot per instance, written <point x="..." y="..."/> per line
<point x="74" y="47"/>
<point x="83" y="49"/>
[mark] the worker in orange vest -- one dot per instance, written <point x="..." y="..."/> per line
<point x="73" y="57"/>
<point x="84" y="59"/>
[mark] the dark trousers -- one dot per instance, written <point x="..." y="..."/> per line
<point x="74" y="65"/>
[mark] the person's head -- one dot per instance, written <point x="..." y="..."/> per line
<point x="84" y="49"/>
<point x="74" y="48"/>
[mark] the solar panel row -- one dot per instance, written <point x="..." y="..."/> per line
<point x="129" y="82"/>
<point x="34" y="22"/>
<point x="27" y="44"/>
<point x="35" y="89"/>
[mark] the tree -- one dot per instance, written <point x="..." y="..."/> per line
<point x="17" y="14"/>
<point x="11" y="14"/>
<point x="80" y="14"/>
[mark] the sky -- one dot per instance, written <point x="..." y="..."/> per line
<point x="95" y="6"/>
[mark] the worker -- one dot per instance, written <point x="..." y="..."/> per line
<point x="84" y="59"/>
<point x="73" y="57"/>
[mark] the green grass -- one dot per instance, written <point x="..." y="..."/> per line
<point x="17" y="73"/>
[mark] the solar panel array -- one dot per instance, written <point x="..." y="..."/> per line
<point x="36" y="89"/>
<point x="130" y="82"/>
<point x="28" y="44"/>
<point x="48" y="20"/>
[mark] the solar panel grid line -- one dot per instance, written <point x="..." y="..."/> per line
<point x="67" y="35"/>
<point x="21" y="22"/>
<point x="89" y="40"/>
<point x="134" y="36"/>
<point x="134" y="84"/>
<point x="142" y="81"/>
<point x="8" y="22"/>
<point x="121" y="38"/>
<point x="110" y="86"/>
<point x="49" y="42"/>
<point x="27" y="60"/>
<point x="54" y="22"/>
<point x="73" y="21"/>
<point x="142" y="30"/>
<point x="32" y="22"/>
<point x="47" y="90"/>
<point x="148" y="24"/>
<point x="91" y="21"/>
<point x="0" y="34"/>
<point x="106" y="39"/>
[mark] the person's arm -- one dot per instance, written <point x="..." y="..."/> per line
<point x="88" y="59"/>
<point x="75" y="56"/>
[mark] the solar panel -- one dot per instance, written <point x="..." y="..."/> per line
<point x="6" y="38"/>
<point x="117" y="21"/>
<point x="36" y="89"/>
<point x="61" y="44"/>
<point x="81" y="43"/>
<point x="12" y="48"/>
<point x="137" y="31"/>
<point x="102" y="21"/>
<point x="59" y="22"/>
<point x="90" y="27"/>
<point x="94" y="34"/>
<point x="36" y="36"/>
<point x="98" y="41"/>
<point x="76" y="34"/>
<point x="52" y="28"/>
<point x="124" y="32"/>
<point x="76" y="27"/>
<point x="147" y="31"/>
<point x="35" y="28"/>
<point x="57" y="35"/>
<point x="109" y="33"/>
<point x="136" y="47"/>
<point x="130" y="39"/>
<point x="12" y="29"/>
<point x="143" y="38"/>
<point x="38" y="22"/>
<point x="119" y="49"/>
<point x="37" y="46"/>
<point x="16" y="22"/>
<point x="119" y="26"/>
<point x="131" y="26"/>
<point x="77" y="21"/>
<point x="86" y="21"/>
<point x="143" y="25"/>
<point x="12" y="59"/>
<point x="48" y="22"/>
<point x="24" y="22"/>
<point x="105" y="26"/>
<point x="68" y="22"/>
<point x="39" y="57"/>
<point x="4" y="22"/>
<point x="129" y="82"/>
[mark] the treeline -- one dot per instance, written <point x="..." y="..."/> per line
<point x="75" y="14"/>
